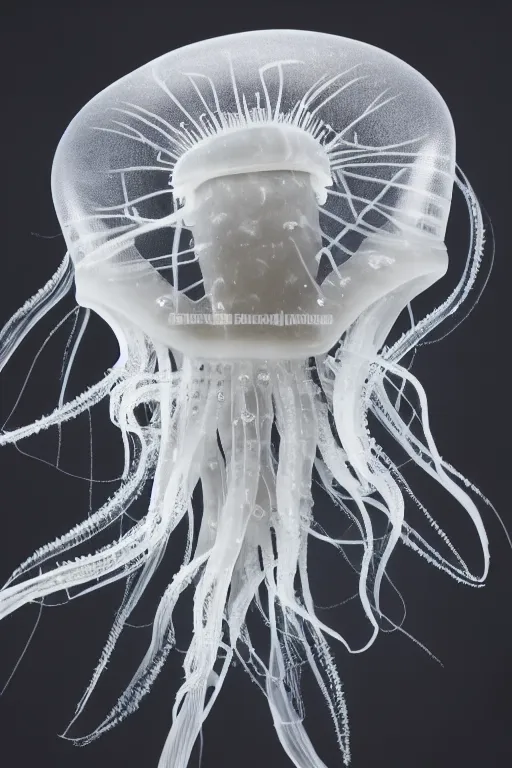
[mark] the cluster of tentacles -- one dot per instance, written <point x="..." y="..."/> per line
<point x="214" y="424"/>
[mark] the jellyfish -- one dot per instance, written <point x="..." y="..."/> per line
<point x="251" y="215"/>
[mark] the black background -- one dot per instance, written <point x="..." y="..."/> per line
<point x="405" y="709"/>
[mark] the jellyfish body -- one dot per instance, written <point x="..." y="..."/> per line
<point x="250" y="215"/>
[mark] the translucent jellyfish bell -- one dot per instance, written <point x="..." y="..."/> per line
<point x="282" y="154"/>
<point x="250" y="215"/>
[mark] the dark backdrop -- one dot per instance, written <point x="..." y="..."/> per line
<point x="405" y="709"/>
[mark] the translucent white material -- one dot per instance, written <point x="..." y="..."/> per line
<point x="291" y="146"/>
<point x="306" y="181"/>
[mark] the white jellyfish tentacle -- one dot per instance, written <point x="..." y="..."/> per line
<point x="69" y="410"/>
<point x="436" y="469"/>
<point x="289" y="728"/>
<point x="212" y="588"/>
<point x="97" y="522"/>
<point x="34" y="309"/>
<point x="463" y="288"/>
<point x="36" y="357"/>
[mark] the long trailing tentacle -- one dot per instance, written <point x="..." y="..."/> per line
<point x="462" y="290"/>
<point x="35" y="308"/>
